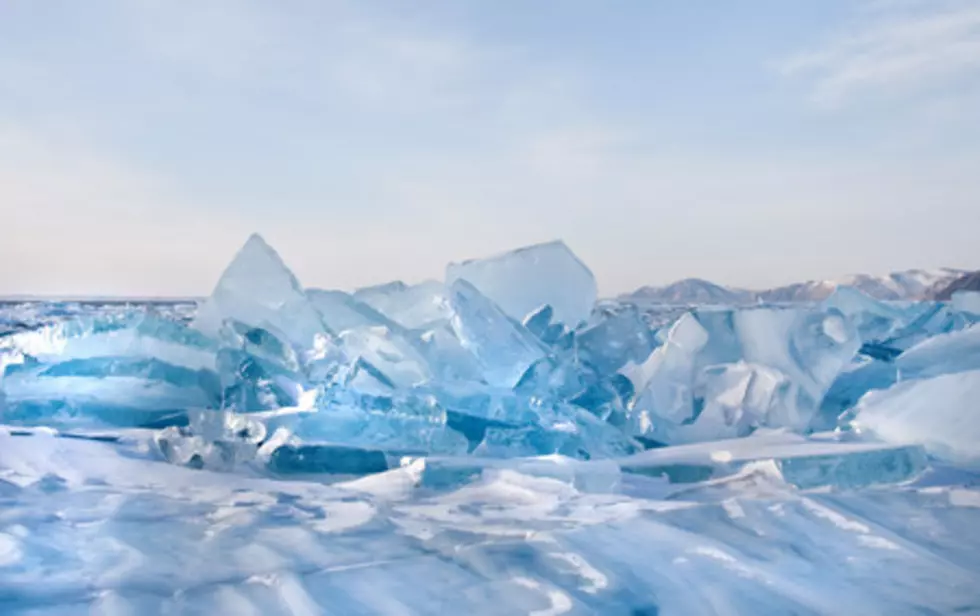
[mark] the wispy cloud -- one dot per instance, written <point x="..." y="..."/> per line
<point x="894" y="46"/>
<point x="320" y="51"/>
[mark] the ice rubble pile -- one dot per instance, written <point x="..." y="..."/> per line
<point x="509" y="356"/>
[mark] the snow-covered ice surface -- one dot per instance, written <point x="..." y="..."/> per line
<point x="429" y="450"/>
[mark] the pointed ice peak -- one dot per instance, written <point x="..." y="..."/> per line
<point x="257" y="289"/>
<point x="522" y="280"/>
<point x="258" y="264"/>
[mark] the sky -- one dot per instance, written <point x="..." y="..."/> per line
<point x="752" y="143"/>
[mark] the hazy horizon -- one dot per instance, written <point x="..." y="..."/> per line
<point x="204" y="294"/>
<point x="754" y="145"/>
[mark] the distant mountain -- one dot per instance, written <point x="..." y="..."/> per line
<point x="968" y="282"/>
<point x="691" y="291"/>
<point x="811" y="291"/>
<point x="906" y="285"/>
<point x="910" y="284"/>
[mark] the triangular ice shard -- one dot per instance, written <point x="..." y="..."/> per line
<point x="503" y="347"/>
<point x="258" y="289"/>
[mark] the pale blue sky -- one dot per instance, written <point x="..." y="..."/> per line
<point x="752" y="143"/>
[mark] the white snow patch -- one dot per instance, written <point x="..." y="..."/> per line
<point x="834" y="517"/>
<point x="9" y="550"/>
<point x="733" y="509"/>
<point x="964" y="498"/>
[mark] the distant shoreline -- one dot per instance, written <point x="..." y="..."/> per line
<point x="95" y="299"/>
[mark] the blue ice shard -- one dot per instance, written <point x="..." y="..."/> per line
<point x="523" y="280"/>
<point x="259" y="371"/>
<point x="446" y="356"/>
<point x="421" y="306"/>
<point x="665" y="380"/>
<point x="409" y="425"/>
<point x="940" y="413"/>
<point x="614" y="341"/>
<point x="538" y="321"/>
<point x="955" y="351"/>
<point x="725" y="373"/>
<point x="125" y="393"/>
<point x="561" y="430"/>
<point x="875" y="320"/>
<point x="217" y="440"/>
<point x="257" y="289"/>
<point x="862" y="376"/>
<point x="503" y="347"/>
<point x="818" y="461"/>
<point x="399" y="361"/>
<point x="134" y="370"/>
<point x="341" y="312"/>
<point x="967" y="302"/>
<point x="927" y="319"/>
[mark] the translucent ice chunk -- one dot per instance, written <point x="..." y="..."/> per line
<point x="402" y="365"/>
<point x="577" y="435"/>
<point x="259" y="371"/>
<point x="613" y="342"/>
<point x="214" y="439"/>
<point x="813" y="462"/>
<point x="875" y="320"/>
<point x="849" y="386"/>
<point x="133" y="336"/>
<point x="259" y="290"/>
<point x="332" y="459"/>
<point x="419" y="306"/>
<point x="928" y="319"/>
<point x="448" y="360"/>
<point x="341" y="312"/>
<point x="140" y="401"/>
<point x="967" y="302"/>
<point x="724" y="373"/>
<point x="953" y="352"/>
<point x="502" y="346"/>
<point x="131" y="371"/>
<point x="940" y="413"/>
<point x="523" y="280"/>
<point x="409" y="425"/>
<point x="810" y="347"/>
<point x="538" y="321"/>
<point x="666" y="378"/>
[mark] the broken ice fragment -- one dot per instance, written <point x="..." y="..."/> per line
<point x="940" y="413"/>
<point x="32" y="398"/>
<point x="448" y="360"/>
<point x="967" y="302"/>
<point x="523" y="280"/>
<point x="335" y="459"/>
<point x="419" y="306"/>
<point x="407" y="424"/>
<point x="817" y="461"/>
<point x="666" y="378"/>
<point x="259" y="290"/>
<point x="957" y="351"/>
<point x="402" y="365"/>
<point x="504" y="348"/>
<point x="342" y="312"/>
<point x="538" y="321"/>
<point x="724" y="373"/>
<point x="875" y="320"/>
<point x="613" y="342"/>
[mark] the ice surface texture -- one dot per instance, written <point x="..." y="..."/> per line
<point x="497" y="442"/>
